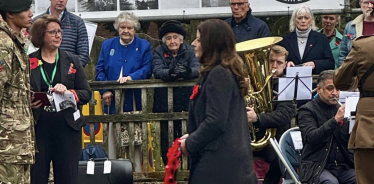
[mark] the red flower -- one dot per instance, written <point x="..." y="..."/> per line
<point x="349" y="36"/>
<point x="166" y="55"/>
<point x="337" y="43"/>
<point x="71" y="69"/>
<point x="34" y="62"/>
<point x="195" y="91"/>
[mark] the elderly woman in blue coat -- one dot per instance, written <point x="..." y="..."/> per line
<point x="124" y="58"/>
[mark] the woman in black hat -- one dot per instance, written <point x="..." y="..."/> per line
<point x="173" y="60"/>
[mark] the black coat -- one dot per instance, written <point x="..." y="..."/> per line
<point x="318" y="127"/>
<point x="317" y="50"/>
<point x="163" y="60"/>
<point x="75" y="81"/>
<point x="280" y="118"/>
<point x="219" y="145"/>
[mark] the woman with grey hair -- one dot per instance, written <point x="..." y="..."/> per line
<point x="307" y="47"/>
<point x="124" y="58"/>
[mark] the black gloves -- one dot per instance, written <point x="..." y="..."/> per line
<point x="180" y="71"/>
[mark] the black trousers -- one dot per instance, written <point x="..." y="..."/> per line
<point x="338" y="175"/>
<point x="165" y="137"/>
<point x="58" y="142"/>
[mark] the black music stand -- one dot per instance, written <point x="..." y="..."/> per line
<point x="297" y="82"/>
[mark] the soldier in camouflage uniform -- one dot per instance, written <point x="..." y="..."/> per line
<point x="17" y="145"/>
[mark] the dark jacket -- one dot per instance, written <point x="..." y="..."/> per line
<point x="280" y="118"/>
<point x="75" y="81"/>
<point x="219" y="144"/>
<point x="317" y="50"/>
<point x="318" y="128"/>
<point x="249" y="28"/>
<point x="163" y="60"/>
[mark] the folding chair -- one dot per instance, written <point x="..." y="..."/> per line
<point x="288" y="156"/>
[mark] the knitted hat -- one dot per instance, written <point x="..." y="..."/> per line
<point x="171" y="26"/>
<point x="14" y="6"/>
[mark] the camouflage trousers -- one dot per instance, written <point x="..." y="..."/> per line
<point x="14" y="173"/>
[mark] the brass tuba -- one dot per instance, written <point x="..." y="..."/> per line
<point x="256" y="55"/>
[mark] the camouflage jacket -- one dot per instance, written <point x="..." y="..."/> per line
<point x="17" y="137"/>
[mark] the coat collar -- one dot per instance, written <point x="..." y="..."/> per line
<point x="359" y="24"/>
<point x="36" y="77"/>
<point x="309" y="44"/>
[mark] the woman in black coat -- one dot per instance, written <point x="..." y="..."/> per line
<point x="218" y="142"/>
<point x="58" y="134"/>
<point x="306" y="46"/>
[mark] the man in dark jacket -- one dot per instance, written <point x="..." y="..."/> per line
<point x="325" y="157"/>
<point x="173" y="60"/>
<point x="279" y="118"/>
<point x="245" y="26"/>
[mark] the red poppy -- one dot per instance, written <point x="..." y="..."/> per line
<point x="337" y="43"/>
<point x="195" y="91"/>
<point x="166" y="55"/>
<point x="34" y="62"/>
<point x="71" y="69"/>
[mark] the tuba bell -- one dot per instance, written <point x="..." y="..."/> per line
<point x="255" y="53"/>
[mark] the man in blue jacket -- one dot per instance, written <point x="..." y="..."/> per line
<point x="245" y="26"/>
<point x="74" y="35"/>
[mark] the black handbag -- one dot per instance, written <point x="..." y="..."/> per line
<point x="121" y="172"/>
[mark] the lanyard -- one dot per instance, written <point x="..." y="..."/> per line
<point x="49" y="83"/>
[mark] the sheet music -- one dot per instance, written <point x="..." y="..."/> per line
<point x="352" y="121"/>
<point x="304" y="71"/>
<point x="350" y="105"/>
<point x="297" y="140"/>
<point x="344" y="94"/>
<point x="303" y="91"/>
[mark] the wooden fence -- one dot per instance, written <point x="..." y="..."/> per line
<point x="141" y="130"/>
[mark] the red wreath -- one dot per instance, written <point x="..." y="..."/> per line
<point x="171" y="168"/>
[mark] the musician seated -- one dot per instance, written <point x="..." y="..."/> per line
<point x="279" y="118"/>
<point x="325" y="157"/>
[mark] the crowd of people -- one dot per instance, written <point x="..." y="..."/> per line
<point x="217" y="140"/>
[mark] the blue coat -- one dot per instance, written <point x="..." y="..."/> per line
<point x="136" y="61"/>
<point x="352" y="31"/>
<point x="249" y="28"/>
<point x="317" y="50"/>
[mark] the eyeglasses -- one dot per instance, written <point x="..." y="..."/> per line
<point x="238" y="3"/>
<point x="54" y="32"/>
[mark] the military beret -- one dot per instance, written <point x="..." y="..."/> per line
<point x="171" y="26"/>
<point x="14" y="6"/>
